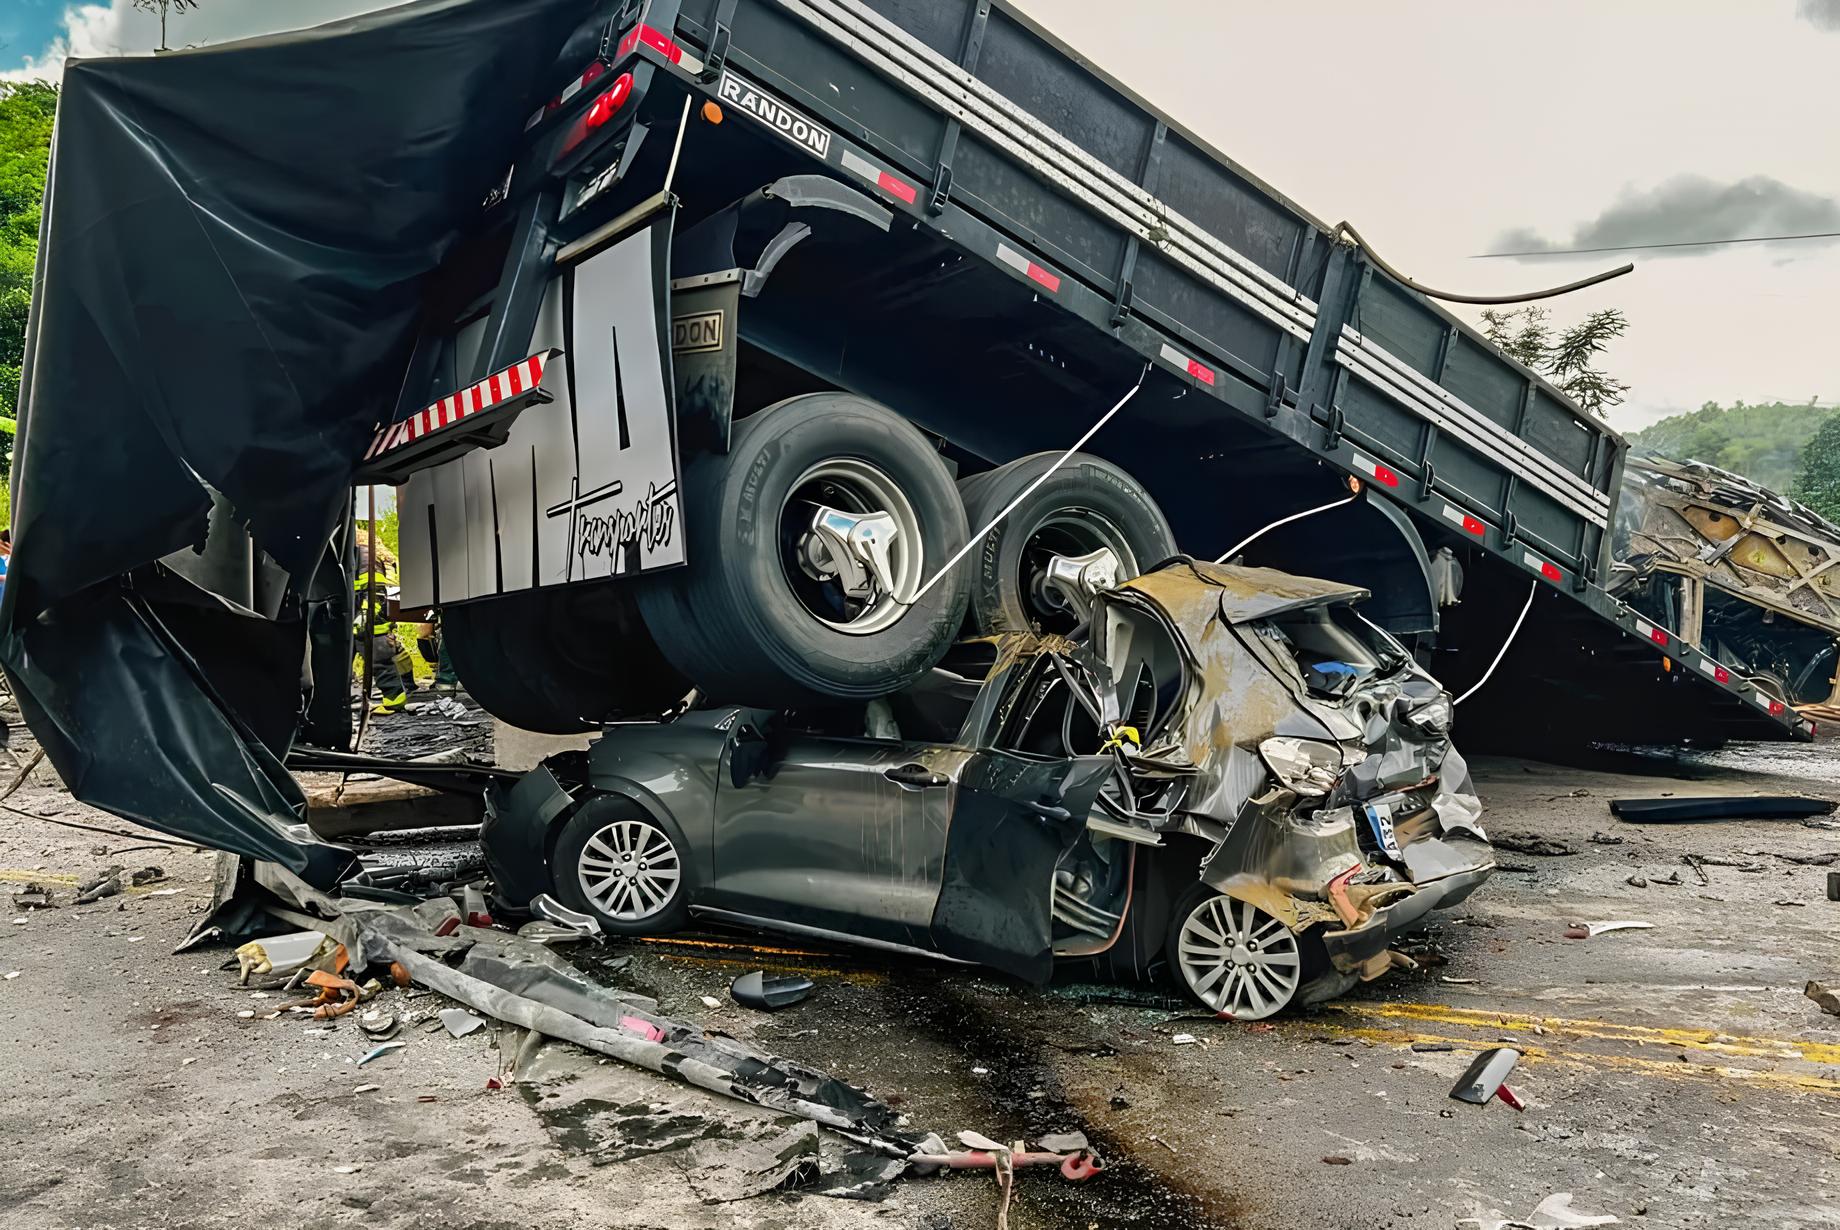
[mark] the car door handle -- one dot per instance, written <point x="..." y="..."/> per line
<point x="915" y="777"/>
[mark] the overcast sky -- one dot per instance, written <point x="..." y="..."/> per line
<point x="1444" y="129"/>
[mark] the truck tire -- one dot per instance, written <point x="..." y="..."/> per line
<point x="762" y="614"/>
<point x="1087" y="504"/>
<point x="561" y="660"/>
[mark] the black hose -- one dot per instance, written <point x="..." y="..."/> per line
<point x="1345" y="228"/>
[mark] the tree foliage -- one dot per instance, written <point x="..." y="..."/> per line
<point x="26" y="111"/>
<point x="1764" y="442"/>
<point x="1818" y="482"/>
<point x="161" y="8"/>
<point x="1567" y="358"/>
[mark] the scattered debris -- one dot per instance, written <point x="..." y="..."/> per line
<point x="1532" y="843"/>
<point x="145" y="876"/>
<point x="1428" y="1048"/>
<point x="379" y="1050"/>
<point x="459" y="1022"/>
<point x="34" y="896"/>
<point x="1525" y="869"/>
<point x="769" y="992"/>
<point x="1732" y="807"/>
<point x="1590" y="930"/>
<point x="1673" y="879"/>
<point x="1636" y="882"/>
<point x="723" y="1170"/>
<point x="379" y="1024"/>
<point x="1553" y="1213"/>
<point x="105" y="883"/>
<point x="1483" y="1078"/>
<point x="1699" y="870"/>
<point x="1811" y="860"/>
<point x="550" y="910"/>
<point x="1338" y="1160"/>
<point x="1184" y="1039"/>
<point x="1459" y="982"/>
<point x="367" y="1089"/>
<point x="1833" y="886"/>
<point x="710" y="1001"/>
<point x="1606" y="839"/>
<point x="284" y="954"/>
<point x="1827" y="997"/>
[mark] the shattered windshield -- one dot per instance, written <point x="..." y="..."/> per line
<point x="1336" y="649"/>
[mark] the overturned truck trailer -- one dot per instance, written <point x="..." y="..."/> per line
<point x="699" y="336"/>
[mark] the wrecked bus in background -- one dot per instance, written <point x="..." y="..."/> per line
<point x="700" y="336"/>
<point x="1278" y="768"/>
<point x="1738" y="571"/>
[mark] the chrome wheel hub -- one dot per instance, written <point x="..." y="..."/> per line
<point x="629" y="870"/>
<point x="851" y="546"/>
<point x="1238" y="959"/>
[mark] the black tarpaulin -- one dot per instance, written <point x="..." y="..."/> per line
<point x="234" y="244"/>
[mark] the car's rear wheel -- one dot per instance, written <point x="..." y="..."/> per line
<point x="627" y="868"/>
<point x="1086" y="505"/>
<point x="809" y="543"/>
<point x="1235" y="958"/>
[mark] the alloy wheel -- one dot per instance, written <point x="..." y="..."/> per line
<point x="630" y="870"/>
<point x="1238" y="959"/>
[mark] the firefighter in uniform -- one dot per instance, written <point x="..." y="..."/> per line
<point x="389" y="661"/>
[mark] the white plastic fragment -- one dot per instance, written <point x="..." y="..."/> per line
<point x="1184" y="1039"/>
<point x="977" y="1140"/>
<point x="710" y="1001"/>
<point x="367" y="1088"/>
<point x="459" y="1022"/>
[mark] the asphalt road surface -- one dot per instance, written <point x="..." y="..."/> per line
<point x="1674" y="1077"/>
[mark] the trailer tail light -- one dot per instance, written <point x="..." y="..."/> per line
<point x="609" y="103"/>
<point x="588" y="76"/>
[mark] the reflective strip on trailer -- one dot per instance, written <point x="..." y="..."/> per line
<point x="659" y="41"/>
<point x="1463" y="521"/>
<point x="1193" y="367"/>
<point x="1657" y="635"/>
<point x="515" y="381"/>
<point x="1545" y="568"/>
<point x="887" y="182"/>
<point x="1385" y="475"/>
<point x="1027" y="268"/>
<point x="1713" y="671"/>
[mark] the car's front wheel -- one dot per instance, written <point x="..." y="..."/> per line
<point x="626" y="868"/>
<point x="1234" y="957"/>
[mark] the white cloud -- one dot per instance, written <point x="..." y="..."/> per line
<point x="89" y="30"/>
<point x="118" y="28"/>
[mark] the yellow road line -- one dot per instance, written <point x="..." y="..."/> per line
<point x="1535" y="1055"/>
<point x="1712" y="1040"/>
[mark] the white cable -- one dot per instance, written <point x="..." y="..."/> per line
<point x="997" y="520"/>
<point x="677" y="147"/>
<point x="1512" y="632"/>
<point x="1308" y="512"/>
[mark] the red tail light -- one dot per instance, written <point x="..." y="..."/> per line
<point x="609" y="103"/>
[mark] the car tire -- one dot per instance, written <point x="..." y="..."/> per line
<point x="1086" y="504"/>
<point x="1232" y="957"/>
<point x="619" y="838"/>
<point x="751" y="619"/>
<point x="560" y="660"/>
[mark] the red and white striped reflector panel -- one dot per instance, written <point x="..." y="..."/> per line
<point x="1657" y="635"/>
<point x="887" y="181"/>
<point x="1194" y="367"/>
<point x="1463" y="521"/>
<point x="1776" y="708"/>
<point x="515" y="381"/>
<point x="1548" y="570"/>
<point x="1028" y="268"/>
<point x="1714" y="671"/>
<point x="1385" y="475"/>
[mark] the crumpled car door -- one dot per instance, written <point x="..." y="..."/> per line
<point x="1013" y="819"/>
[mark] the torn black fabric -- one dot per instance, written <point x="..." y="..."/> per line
<point x="234" y="244"/>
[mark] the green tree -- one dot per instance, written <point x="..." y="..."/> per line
<point x="1763" y="441"/>
<point x="1568" y="358"/>
<point x="26" y="112"/>
<point x="1818" y="483"/>
<point x="161" y="8"/>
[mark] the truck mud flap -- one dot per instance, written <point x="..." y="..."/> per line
<point x="1012" y="821"/>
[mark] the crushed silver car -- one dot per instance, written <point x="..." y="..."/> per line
<point x="1223" y="772"/>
